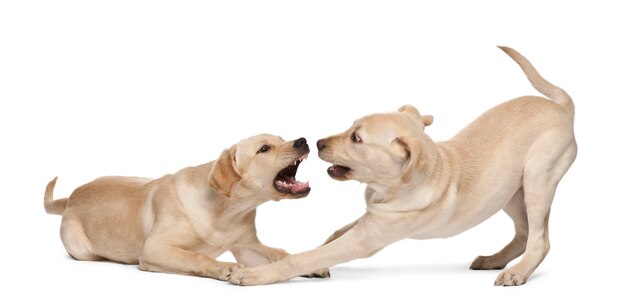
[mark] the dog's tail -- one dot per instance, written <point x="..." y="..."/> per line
<point x="554" y="93"/>
<point x="53" y="206"/>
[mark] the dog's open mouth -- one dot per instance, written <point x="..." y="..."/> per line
<point x="338" y="172"/>
<point x="285" y="181"/>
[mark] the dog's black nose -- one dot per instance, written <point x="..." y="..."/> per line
<point x="300" y="143"/>
<point x="321" y="144"/>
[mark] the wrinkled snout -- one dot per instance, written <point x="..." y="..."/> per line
<point x="301" y="144"/>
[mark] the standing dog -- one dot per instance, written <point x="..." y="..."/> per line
<point x="512" y="158"/>
<point x="180" y="222"/>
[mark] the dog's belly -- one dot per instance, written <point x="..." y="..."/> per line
<point x="468" y="212"/>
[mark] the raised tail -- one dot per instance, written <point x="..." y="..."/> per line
<point x="546" y="88"/>
<point x="53" y="206"/>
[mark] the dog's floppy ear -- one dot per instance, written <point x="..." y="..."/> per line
<point x="409" y="149"/>
<point x="224" y="175"/>
<point x="427" y="120"/>
<point x="411" y="111"/>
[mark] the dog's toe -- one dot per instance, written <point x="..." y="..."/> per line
<point x="509" y="279"/>
<point x="226" y="270"/>
<point x="322" y="273"/>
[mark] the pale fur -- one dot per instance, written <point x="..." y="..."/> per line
<point x="181" y="222"/>
<point x="511" y="158"/>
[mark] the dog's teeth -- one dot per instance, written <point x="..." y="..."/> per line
<point x="284" y="184"/>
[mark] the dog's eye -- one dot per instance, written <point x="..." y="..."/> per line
<point x="263" y="149"/>
<point x="355" y="138"/>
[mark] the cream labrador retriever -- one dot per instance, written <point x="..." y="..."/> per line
<point x="180" y="222"/>
<point x="512" y="158"/>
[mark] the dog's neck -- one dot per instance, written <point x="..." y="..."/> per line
<point x="236" y="204"/>
<point x="420" y="192"/>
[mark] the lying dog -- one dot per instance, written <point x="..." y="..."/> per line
<point x="180" y="222"/>
<point x="512" y="158"/>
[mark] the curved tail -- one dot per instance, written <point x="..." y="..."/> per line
<point x="546" y="88"/>
<point x="53" y="206"/>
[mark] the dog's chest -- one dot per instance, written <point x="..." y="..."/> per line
<point x="208" y="220"/>
<point x="221" y="238"/>
<point x="226" y="232"/>
<point x="220" y="232"/>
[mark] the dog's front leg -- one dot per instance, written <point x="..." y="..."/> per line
<point x="255" y="253"/>
<point x="369" y="235"/>
<point x="163" y="257"/>
<point x="338" y="233"/>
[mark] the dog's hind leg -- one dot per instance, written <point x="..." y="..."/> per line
<point x="517" y="211"/>
<point x="74" y="239"/>
<point x="540" y="179"/>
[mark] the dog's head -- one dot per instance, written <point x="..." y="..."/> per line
<point x="382" y="148"/>
<point x="264" y="166"/>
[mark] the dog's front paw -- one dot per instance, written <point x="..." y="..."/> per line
<point x="486" y="263"/>
<point x="509" y="278"/>
<point x="225" y="270"/>
<point x="321" y="273"/>
<point x="253" y="276"/>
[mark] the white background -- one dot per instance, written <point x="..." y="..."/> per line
<point x="146" y="88"/>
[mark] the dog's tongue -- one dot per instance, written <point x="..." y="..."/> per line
<point x="299" y="187"/>
<point x="291" y="184"/>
